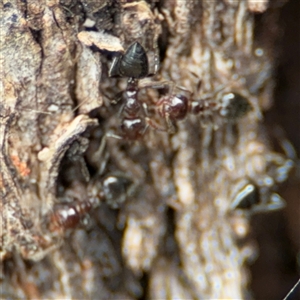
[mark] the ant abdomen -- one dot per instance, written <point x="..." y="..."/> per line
<point x="112" y="189"/>
<point x="68" y="215"/>
<point x="175" y="107"/>
<point x="133" y="64"/>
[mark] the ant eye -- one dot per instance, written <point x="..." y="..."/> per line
<point x="234" y="106"/>
<point x="116" y="189"/>
<point x="134" y="63"/>
<point x="246" y="198"/>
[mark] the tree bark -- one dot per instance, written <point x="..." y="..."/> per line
<point x="177" y="235"/>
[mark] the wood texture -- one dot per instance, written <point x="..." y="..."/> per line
<point x="176" y="235"/>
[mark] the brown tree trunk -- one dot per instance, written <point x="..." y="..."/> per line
<point x="178" y="234"/>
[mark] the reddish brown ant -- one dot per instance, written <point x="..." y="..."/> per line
<point x="134" y="65"/>
<point x="176" y="106"/>
<point x="112" y="189"/>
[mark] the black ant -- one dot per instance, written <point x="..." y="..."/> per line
<point x="113" y="189"/>
<point x="134" y="65"/>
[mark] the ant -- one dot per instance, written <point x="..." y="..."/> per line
<point x="113" y="189"/>
<point x="176" y="106"/>
<point x="134" y="65"/>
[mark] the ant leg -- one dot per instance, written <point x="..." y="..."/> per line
<point x="150" y="122"/>
<point x="166" y="84"/>
<point x="118" y="98"/>
<point x="170" y="127"/>
<point x="156" y="63"/>
<point x="155" y="125"/>
<point x="100" y="156"/>
<point x="108" y="100"/>
<point x="113" y="135"/>
<point x="114" y="68"/>
<point x="146" y="127"/>
<point x="122" y="161"/>
<point x="153" y="57"/>
<point x="199" y="82"/>
<point x="170" y="124"/>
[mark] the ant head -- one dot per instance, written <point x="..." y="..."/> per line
<point x="116" y="189"/>
<point x="234" y="106"/>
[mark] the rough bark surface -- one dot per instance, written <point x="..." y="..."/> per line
<point x="177" y="235"/>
